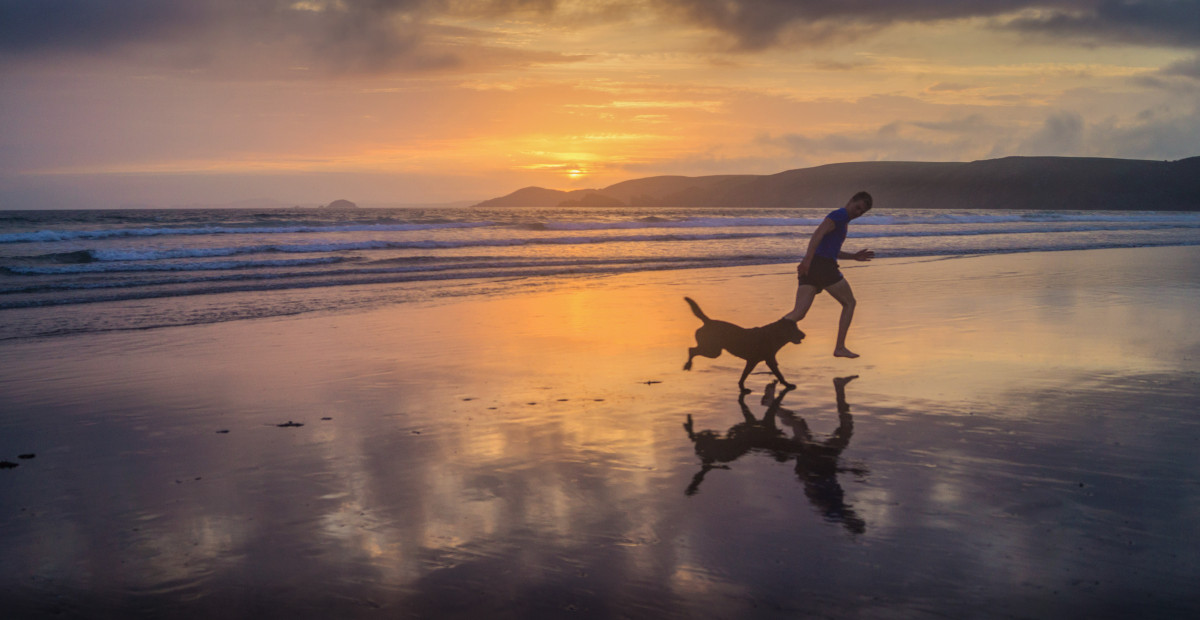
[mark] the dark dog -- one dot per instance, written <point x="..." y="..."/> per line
<point x="759" y="344"/>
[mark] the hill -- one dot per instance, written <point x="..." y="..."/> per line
<point x="1007" y="183"/>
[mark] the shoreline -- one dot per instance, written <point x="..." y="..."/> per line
<point x="319" y="300"/>
<point x="1019" y="440"/>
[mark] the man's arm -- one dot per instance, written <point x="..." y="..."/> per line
<point x="859" y="255"/>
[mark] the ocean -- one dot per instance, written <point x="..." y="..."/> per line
<point x="64" y="272"/>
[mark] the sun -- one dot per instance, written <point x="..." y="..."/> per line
<point x="575" y="173"/>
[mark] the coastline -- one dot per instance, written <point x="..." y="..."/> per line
<point x="1021" y="443"/>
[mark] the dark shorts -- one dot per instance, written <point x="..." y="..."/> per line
<point x="822" y="273"/>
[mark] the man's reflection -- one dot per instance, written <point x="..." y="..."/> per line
<point x="816" y="461"/>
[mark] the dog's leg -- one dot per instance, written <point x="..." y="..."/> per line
<point x="774" y="366"/>
<point x="694" y="487"/>
<point x="703" y="348"/>
<point x="746" y="373"/>
<point x="696" y="350"/>
<point x="745" y="409"/>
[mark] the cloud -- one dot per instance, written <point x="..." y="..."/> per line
<point x="1189" y="68"/>
<point x="1163" y="132"/>
<point x="92" y="25"/>
<point x="1181" y="77"/>
<point x="382" y="35"/>
<point x="261" y="37"/>
<point x="1153" y="135"/>
<point x="960" y="139"/>
<point x="759" y="24"/>
<point x="973" y="124"/>
<point x="1141" y="22"/>
<point x="339" y="35"/>
<point x="1062" y="134"/>
<point x="950" y="87"/>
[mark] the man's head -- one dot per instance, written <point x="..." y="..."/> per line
<point x="859" y="204"/>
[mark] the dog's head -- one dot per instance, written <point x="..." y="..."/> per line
<point x="790" y="330"/>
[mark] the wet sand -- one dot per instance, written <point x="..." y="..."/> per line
<point x="1018" y="440"/>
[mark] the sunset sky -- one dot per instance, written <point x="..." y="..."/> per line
<point x="105" y="103"/>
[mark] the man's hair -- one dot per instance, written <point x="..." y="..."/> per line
<point x="864" y="197"/>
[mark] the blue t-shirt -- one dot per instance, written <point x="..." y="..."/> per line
<point x="831" y="243"/>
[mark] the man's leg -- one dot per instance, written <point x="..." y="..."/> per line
<point x="841" y="292"/>
<point x="805" y="294"/>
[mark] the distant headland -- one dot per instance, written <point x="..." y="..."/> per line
<point x="1042" y="183"/>
<point x="339" y="205"/>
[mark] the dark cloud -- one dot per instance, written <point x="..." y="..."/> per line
<point x="1142" y="22"/>
<point x="759" y="24"/>
<point x="340" y="35"/>
<point x="267" y="37"/>
<point x="31" y="27"/>
<point x="1181" y="77"/>
<point x="372" y="35"/>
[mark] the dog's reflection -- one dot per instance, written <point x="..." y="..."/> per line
<point x="816" y="461"/>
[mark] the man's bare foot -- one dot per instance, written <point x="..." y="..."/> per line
<point x="844" y="352"/>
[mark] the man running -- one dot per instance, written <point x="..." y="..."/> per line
<point x="819" y="269"/>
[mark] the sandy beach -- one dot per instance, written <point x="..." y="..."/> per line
<point x="1018" y="440"/>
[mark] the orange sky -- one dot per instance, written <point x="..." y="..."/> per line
<point x="410" y="101"/>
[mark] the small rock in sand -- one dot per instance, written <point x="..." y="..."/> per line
<point x="289" y="423"/>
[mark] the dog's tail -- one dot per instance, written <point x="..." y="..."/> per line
<point x="696" y="309"/>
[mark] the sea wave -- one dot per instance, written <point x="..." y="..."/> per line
<point x="193" y="266"/>
<point x="190" y="285"/>
<point x="479" y="267"/>
<point x="925" y="218"/>
<point x="48" y="236"/>
<point x="323" y="247"/>
<point x="940" y="219"/>
<point x="327" y="246"/>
